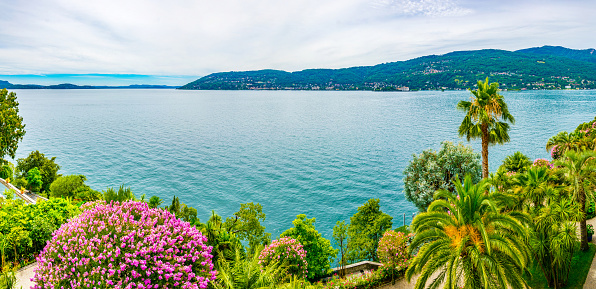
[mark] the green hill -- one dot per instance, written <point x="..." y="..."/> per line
<point x="534" y="68"/>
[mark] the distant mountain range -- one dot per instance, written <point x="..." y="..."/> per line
<point x="8" y="85"/>
<point x="547" y="67"/>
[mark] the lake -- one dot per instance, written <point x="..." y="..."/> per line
<point x="320" y="153"/>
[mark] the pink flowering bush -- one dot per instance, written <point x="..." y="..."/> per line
<point x="555" y="153"/>
<point x="125" y="245"/>
<point x="286" y="251"/>
<point x="393" y="249"/>
<point x="542" y="163"/>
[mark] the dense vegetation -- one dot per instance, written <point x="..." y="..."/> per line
<point x="538" y="68"/>
<point x="522" y="218"/>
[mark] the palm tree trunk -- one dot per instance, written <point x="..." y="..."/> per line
<point x="582" y="223"/>
<point x="484" y="129"/>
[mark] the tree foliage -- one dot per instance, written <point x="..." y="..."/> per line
<point x="47" y="168"/>
<point x="182" y="211"/>
<point x="124" y="194"/>
<point x="34" y="179"/>
<point x="73" y="186"/>
<point x="34" y="223"/>
<point x="225" y="244"/>
<point x="580" y="171"/>
<point x="431" y="171"/>
<point x="553" y="237"/>
<point x="517" y="162"/>
<point x="319" y="253"/>
<point x="340" y="234"/>
<point x="12" y="128"/>
<point x="367" y="227"/>
<point x="246" y="224"/>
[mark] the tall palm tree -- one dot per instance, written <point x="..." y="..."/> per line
<point x="486" y="118"/>
<point x="466" y="242"/>
<point x="580" y="172"/>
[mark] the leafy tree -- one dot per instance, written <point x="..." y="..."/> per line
<point x="367" y="227"/>
<point x="516" y="162"/>
<point x="12" y="128"/>
<point x="6" y="171"/>
<point x="183" y="212"/>
<point x="340" y="234"/>
<point x="482" y="118"/>
<point x="431" y="171"/>
<point x="246" y="224"/>
<point x="73" y="186"/>
<point x="580" y="171"/>
<point x="47" y="168"/>
<point x="319" y="253"/>
<point x="124" y="194"/>
<point x="34" y="179"/>
<point x="155" y="202"/>
<point x="465" y="242"/>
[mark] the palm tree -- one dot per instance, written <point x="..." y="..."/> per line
<point x="580" y="171"/>
<point x="246" y="273"/>
<point x="483" y="112"/>
<point x="466" y="242"/>
<point x="553" y="236"/>
<point x="533" y="187"/>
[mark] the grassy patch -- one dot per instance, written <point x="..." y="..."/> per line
<point x="580" y="266"/>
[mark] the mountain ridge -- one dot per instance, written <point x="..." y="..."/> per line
<point x="546" y="67"/>
<point x="8" y="85"/>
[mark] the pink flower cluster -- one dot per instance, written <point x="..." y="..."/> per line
<point x="542" y="163"/>
<point x="125" y="245"/>
<point x="393" y="249"/>
<point x="286" y="251"/>
<point x="555" y="153"/>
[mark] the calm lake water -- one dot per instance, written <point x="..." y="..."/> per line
<point x="318" y="153"/>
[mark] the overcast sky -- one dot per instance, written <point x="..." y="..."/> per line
<point x="186" y="39"/>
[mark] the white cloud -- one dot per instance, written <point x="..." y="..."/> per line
<point x="197" y="37"/>
<point x="434" y="8"/>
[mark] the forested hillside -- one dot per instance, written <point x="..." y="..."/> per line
<point x="535" y="68"/>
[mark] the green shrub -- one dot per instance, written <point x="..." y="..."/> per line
<point x="74" y="187"/>
<point x="123" y="194"/>
<point x="516" y="162"/>
<point x="6" y="172"/>
<point x="431" y="171"/>
<point x="591" y="210"/>
<point x="34" y="223"/>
